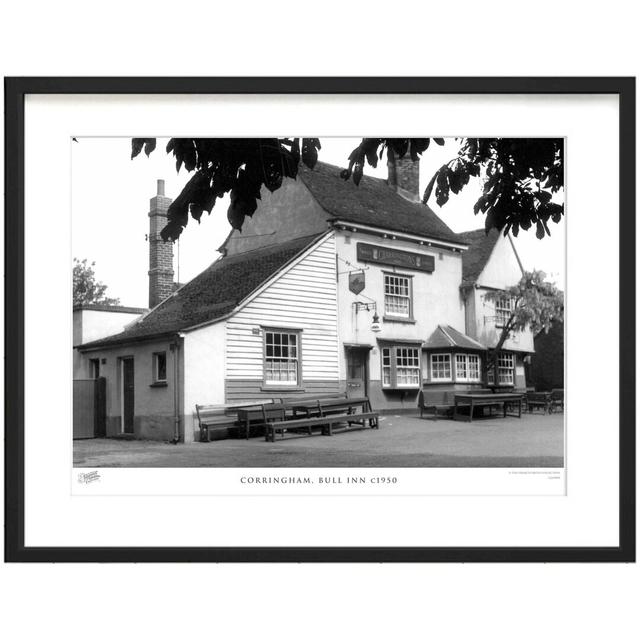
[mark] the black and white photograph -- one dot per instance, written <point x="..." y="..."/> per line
<point x="323" y="302"/>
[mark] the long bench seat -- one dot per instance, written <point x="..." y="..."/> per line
<point x="326" y="424"/>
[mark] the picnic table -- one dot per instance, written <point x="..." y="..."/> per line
<point x="472" y="400"/>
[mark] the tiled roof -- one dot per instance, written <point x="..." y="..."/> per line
<point x="213" y="293"/>
<point x="477" y="255"/>
<point x="446" y="337"/>
<point x="373" y="203"/>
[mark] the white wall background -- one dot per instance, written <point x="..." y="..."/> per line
<point x="331" y="38"/>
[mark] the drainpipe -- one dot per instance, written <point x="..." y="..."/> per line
<point x="175" y="347"/>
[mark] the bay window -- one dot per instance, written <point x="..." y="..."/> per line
<point x="400" y="367"/>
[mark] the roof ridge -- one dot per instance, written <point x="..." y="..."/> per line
<point x="449" y="338"/>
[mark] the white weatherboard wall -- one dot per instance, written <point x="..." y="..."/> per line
<point x="303" y="297"/>
<point x="203" y="367"/>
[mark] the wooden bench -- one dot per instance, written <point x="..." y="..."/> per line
<point x="556" y="401"/>
<point x="219" y="417"/>
<point x="314" y="397"/>
<point x="539" y="400"/>
<point x="435" y="400"/>
<point x="275" y="422"/>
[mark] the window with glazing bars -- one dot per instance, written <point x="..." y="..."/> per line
<point x="505" y="368"/>
<point x="281" y="364"/>
<point x="397" y="296"/>
<point x="503" y="310"/>
<point x="467" y="367"/>
<point x="441" y="366"/>
<point x="407" y="367"/>
<point x="400" y="367"/>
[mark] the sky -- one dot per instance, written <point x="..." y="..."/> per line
<point x="110" y="203"/>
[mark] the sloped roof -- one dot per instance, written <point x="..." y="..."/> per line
<point x="213" y="293"/>
<point x="477" y="255"/>
<point x="446" y="337"/>
<point x="373" y="203"/>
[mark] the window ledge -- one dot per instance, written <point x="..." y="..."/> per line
<point x="394" y="319"/>
<point x="159" y="384"/>
<point x="416" y="388"/>
<point x="268" y="387"/>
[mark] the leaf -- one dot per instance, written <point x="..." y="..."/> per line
<point x="489" y="221"/>
<point x="149" y="146"/>
<point x="429" y="189"/>
<point x="539" y="230"/>
<point x="310" y="148"/>
<point x="295" y="150"/>
<point x="370" y="149"/>
<point x="442" y="189"/>
<point x="543" y="196"/>
<point x="137" y="145"/>
<point x="439" y="141"/>
<point x="357" y="174"/>
<point x="235" y="215"/>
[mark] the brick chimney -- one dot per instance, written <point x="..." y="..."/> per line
<point x="403" y="176"/>
<point x="160" y="252"/>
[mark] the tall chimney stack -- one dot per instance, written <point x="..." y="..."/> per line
<point x="160" y="252"/>
<point x="404" y="176"/>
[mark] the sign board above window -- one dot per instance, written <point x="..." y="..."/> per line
<point x="404" y="259"/>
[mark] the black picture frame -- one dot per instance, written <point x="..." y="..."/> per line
<point x="15" y="91"/>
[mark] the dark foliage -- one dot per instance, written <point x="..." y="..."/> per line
<point x="519" y="174"/>
<point x="238" y="166"/>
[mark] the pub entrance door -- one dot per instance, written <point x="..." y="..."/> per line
<point x="357" y="372"/>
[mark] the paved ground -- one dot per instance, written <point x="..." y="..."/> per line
<point x="402" y="441"/>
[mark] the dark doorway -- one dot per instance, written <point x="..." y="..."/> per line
<point x="127" y="395"/>
<point x="89" y="408"/>
<point x="357" y="372"/>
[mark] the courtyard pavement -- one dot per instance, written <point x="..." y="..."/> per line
<point x="536" y="440"/>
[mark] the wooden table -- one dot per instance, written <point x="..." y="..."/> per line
<point x="258" y="414"/>
<point x="472" y="400"/>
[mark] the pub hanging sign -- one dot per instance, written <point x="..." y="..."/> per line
<point x="395" y="257"/>
<point x="356" y="282"/>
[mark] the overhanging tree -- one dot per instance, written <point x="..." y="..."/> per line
<point x="519" y="175"/>
<point x="535" y="304"/>
<point x="86" y="290"/>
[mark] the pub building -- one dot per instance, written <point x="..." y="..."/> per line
<point x="330" y="287"/>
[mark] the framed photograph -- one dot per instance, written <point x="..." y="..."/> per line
<point x="320" y="319"/>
